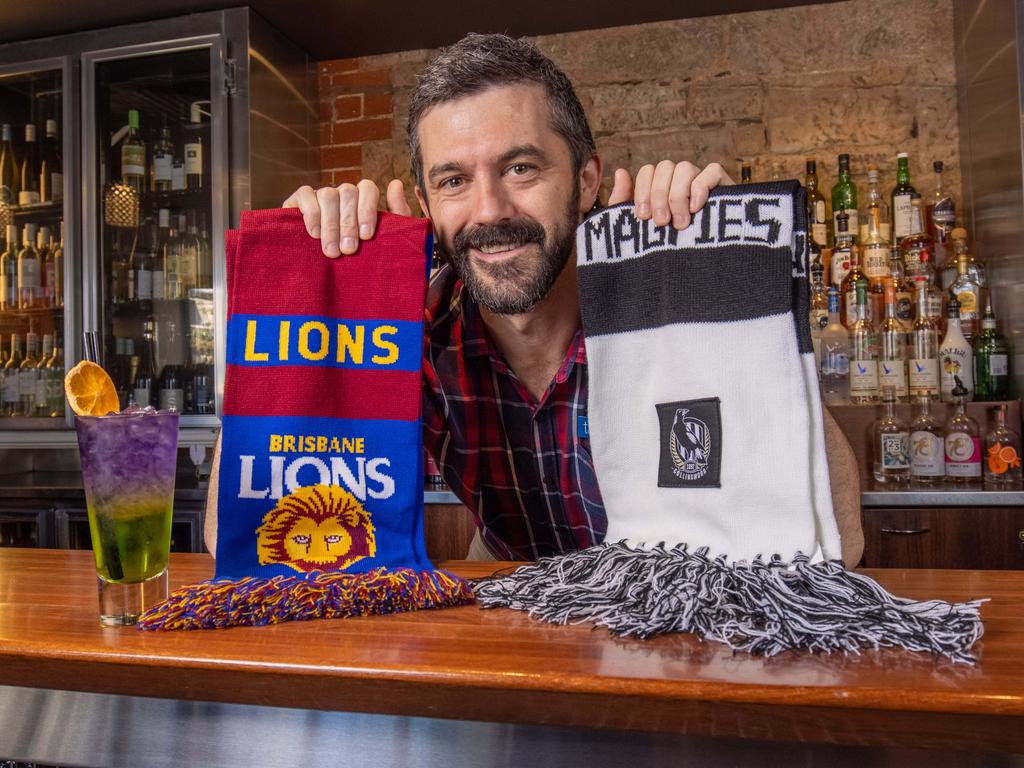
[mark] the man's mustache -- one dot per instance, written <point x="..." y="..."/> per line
<point x="511" y="233"/>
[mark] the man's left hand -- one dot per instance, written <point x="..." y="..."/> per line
<point x="668" y="192"/>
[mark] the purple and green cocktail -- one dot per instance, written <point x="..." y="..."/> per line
<point x="128" y="466"/>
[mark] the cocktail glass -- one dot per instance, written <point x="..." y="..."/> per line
<point x="128" y="465"/>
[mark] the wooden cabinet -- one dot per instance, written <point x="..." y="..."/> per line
<point x="944" y="537"/>
<point x="448" y="530"/>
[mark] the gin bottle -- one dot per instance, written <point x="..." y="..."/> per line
<point x="956" y="361"/>
<point x="891" y="443"/>
<point x="892" y="359"/>
<point x="835" y="356"/>
<point x="963" y="445"/>
<point x="1002" y="452"/>
<point x="991" y="360"/>
<point x="927" y="451"/>
<point x="864" y="362"/>
<point x="924" y="356"/>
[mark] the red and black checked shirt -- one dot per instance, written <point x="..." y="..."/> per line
<point x="522" y="467"/>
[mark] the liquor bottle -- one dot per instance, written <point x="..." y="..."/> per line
<point x="991" y="360"/>
<point x="161" y="236"/>
<point x="927" y="449"/>
<point x="891" y="443"/>
<point x="194" y="150"/>
<point x="51" y="166"/>
<point x="968" y="293"/>
<point x="835" y="356"/>
<point x="917" y="249"/>
<point x="144" y="262"/>
<point x="924" y="359"/>
<point x="955" y="357"/>
<point x="842" y="253"/>
<point x="875" y="251"/>
<point x="745" y="174"/>
<point x="205" y="270"/>
<point x="55" y="381"/>
<point x="852" y="283"/>
<point x="817" y="213"/>
<point x="173" y="283"/>
<point x="1002" y="452"/>
<point x="963" y="445"/>
<point x="28" y="269"/>
<point x="163" y="160"/>
<point x="144" y="384"/>
<point x="58" y="270"/>
<point x="10" y="179"/>
<point x="133" y="155"/>
<point x="177" y="175"/>
<point x="12" y="392"/>
<point x="171" y="390"/>
<point x="892" y="359"/>
<point x="118" y="367"/>
<point x="975" y="269"/>
<point x="864" y="360"/>
<point x="27" y="375"/>
<point x="40" y="405"/>
<point x="875" y="206"/>
<point x="9" y="270"/>
<point x="901" y="196"/>
<point x="844" y="199"/>
<point x="47" y="268"/>
<point x="940" y="216"/>
<point x="819" y="310"/>
<point x="118" y="273"/>
<point x="28" y="192"/>
<point x="189" y="248"/>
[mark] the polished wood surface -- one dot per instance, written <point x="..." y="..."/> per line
<point x="502" y="666"/>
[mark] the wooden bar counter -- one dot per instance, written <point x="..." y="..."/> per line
<point x="463" y="686"/>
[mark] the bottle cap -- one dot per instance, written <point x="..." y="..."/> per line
<point x="937" y="165"/>
<point x="133" y="118"/>
<point x="195" y="112"/>
<point x="901" y="155"/>
<point x="30" y="132"/>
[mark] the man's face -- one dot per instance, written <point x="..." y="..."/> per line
<point x="501" y="192"/>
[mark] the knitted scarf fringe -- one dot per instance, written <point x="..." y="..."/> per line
<point x="763" y="608"/>
<point x="320" y="595"/>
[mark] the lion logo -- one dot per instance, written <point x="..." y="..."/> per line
<point x="317" y="528"/>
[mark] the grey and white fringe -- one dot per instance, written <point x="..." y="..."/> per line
<point x="761" y="607"/>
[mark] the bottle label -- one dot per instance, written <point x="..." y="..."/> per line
<point x="819" y="320"/>
<point x="917" y="260"/>
<point x="27" y="383"/>
<point x="194" y="159"/>
<point x="955" y="361"/>
<point x="819" y="231"/>
<point x="963" y="455"/>
<point x="133" y="160"/>
<point x="894" y="450"/>
<point x="28" y="197"/>
<point x="56" y="186"/>
<point x="158" y="284"/>
<point x="840" y="266"/>
<point x="162" y="168"/>
<point x="968" y="304"/>
<point x="172" y="399"/>
<point x="924" y="377"/>
<point x="864" y="378"/>
<point x="926" y="455"/>
<point x="177" y="177"/>
<point x="893" y="373"/>
<point x="11" y="391"/>
<point x="141" y="397"/>
<point x="28" y="274"/>
<point x="944" y="217"/>
<point x="40" y="393"/>
<point x="901" y="215"/>
<point x="876" y="261"/>
<point x="999" y="365"/>
<point x="905" y="311"/>
<point x="144" y="284"/>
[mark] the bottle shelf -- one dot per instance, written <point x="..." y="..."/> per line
<point x="36" y="212"/>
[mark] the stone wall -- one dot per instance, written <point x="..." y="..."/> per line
<point x="868" y="77"/>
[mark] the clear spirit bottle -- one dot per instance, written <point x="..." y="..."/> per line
<point x="963" y="445"/>
<point x="817" y="213"/>
<point x="956" y="358"/>
<point x="875" y="208"/>
<point x="892" y="358"/>
<point x="853" y="282"/>
<point x="927" y="451"/>
<point x="864" y="360"/>
<point x="844" y="199"/>
<point x="818" y="318"/>
<point x="991" y="360"/>
<point x="1002" y="452"/>
<point x="891" y="443"/>
<point x="966" y="290"/>
<point x="924" y="357"/>
<point x="904" y="294"/>
<point x="940" y="216"/>
<point x="133" y="155"/>
<point x="835" y="356"/>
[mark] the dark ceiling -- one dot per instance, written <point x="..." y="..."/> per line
<point x="330" y="29"/>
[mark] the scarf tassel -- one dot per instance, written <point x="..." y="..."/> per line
<point x="320" y="595"/>
<point x="763" y="608"/>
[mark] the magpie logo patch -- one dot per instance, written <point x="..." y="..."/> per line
<point x="691" y="444"/>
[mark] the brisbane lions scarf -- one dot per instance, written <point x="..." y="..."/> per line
<point x="320" y="504"/>
<point x="708" y="443"/>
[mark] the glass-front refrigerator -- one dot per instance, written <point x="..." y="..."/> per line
<point x="37" y="309"/>
<point x="155" y="172"/>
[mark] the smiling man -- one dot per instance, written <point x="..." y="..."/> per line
<point x="506" y="168"/>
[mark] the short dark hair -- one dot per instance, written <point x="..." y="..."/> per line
<point x="478" y="62"/>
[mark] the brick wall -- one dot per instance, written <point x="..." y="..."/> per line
<point x="868" y="77"/>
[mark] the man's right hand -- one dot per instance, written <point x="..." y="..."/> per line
<point x="342" y="216"/>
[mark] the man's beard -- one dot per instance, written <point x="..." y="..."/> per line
<point x="515" y="285"/>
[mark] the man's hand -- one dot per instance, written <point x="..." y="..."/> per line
<point x="342" y="216"/>
<point x="668" y="192"/>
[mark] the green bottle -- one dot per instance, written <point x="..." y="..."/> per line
<point x="991" y="360"/>
<point x="844" y="198"/>
<point x="902" y="208"/>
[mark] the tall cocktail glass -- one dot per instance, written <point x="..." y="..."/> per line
<point x="128" y="465"/>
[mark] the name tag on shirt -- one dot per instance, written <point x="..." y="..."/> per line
<point x="582" y="427"/>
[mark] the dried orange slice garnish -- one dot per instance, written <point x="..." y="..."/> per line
<point x="996" y="465"/>
<point x="1008" y="454"/>
<point x="90" y="391"/>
